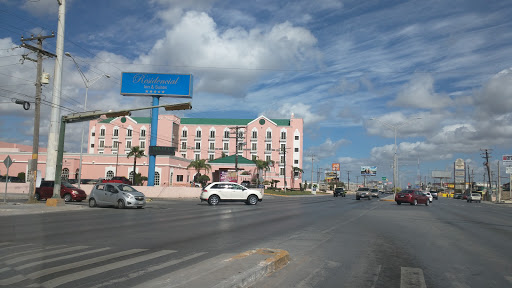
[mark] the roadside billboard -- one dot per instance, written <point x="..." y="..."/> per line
<point x="368" y="170"/>
<point x="441" y="174"/>
<point x="335" y="166"/>
<point x="154" y="84"/>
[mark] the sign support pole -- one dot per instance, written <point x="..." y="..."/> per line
<point x="6" y="181"/>
<point x="152" y="141"/>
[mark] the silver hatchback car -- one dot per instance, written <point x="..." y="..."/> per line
<point x="117" y="194"/>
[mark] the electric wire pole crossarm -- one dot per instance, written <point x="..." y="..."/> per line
<point x="91" y="115"/>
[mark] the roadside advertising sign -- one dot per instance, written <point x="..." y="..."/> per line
<point x="459" y="164"/>
<point x="335" y="166"/>
<point x="368" y="170"/>
<point x="508" y="169"/>
<point x="459" y="173"/>
<point x="155" y="84"/>
<point x="507" y="160"/>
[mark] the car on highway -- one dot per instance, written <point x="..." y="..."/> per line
<point x="457" y="196"/>
<point x="363" y="192"/>
<point x="413" y="197"/>
<point x="375" y="193"/>
<point x="217" y="192"/>
<point x="429" y="196"/>
<point x="477" y="197"/>
<point x="434" y="194"/>
<point x="68" y="192"/>
<point x="339" y="191"/>
<point x="118" y="195"/>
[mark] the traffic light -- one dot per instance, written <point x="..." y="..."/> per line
<point x="26" y="104"/>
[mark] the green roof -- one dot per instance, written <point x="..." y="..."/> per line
<point x="207" y="121"/>
<point x="214" y="121"/>
<point x="140" y="120"/>
<point x="231" y="160"/>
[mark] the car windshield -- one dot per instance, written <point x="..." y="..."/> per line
<point x="67" y="185"/>
<point x="126" y="188"/>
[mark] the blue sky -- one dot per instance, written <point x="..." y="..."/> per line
<point x="334" y="63"/>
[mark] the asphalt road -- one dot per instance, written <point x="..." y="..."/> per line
<point x="332" y="242"/>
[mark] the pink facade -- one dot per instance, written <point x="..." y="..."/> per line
<point x="194" y="138"/>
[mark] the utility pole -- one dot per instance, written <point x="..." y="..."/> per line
<point x="237" y="128"/>
<point x="488" y="166"/>
<point x="348" y="180"/>
<point x="35" y="142"/>
<point x="53" y="136"/>
<point x="357" y="180"/>
<point x="312" y="168"/>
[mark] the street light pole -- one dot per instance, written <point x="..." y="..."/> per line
<point x="87" y="83"/>
<point x="395" y="160"/>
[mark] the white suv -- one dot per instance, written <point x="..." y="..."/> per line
<point x="228" y="191"/>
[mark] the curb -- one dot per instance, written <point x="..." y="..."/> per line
<point x="277" y="260"/>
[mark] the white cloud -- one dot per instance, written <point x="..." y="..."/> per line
<point x="495" y="97"/>
<point x="419" y="93"/>
<point x="229" y="61"/>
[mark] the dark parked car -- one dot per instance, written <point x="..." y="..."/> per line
<point x="67" y="191"/>
<point x="12" y="179"/>
<point x="413" y="197"/>
<point x="457" y="196"/>
<point x="117" y="179"/>
<point x="338" y="191"/>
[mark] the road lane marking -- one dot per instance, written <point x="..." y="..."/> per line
<point x="376" y="275"/>
<point x="101" y="269"/>
<point x="509" y="279"/>
<point x="43" y="254"/>
<point x="5" y="243"/>
<point x="10" y="255"/>
<point x="412" y="278"/>
<point x="78" y="264"/>
<point x="150" y="269"/>
<point x="59" y="258"/>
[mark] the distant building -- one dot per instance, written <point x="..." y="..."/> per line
<point x="110" y="140"/>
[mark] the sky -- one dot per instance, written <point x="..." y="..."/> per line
<point x="438" y="73"/>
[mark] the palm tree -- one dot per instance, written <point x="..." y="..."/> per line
<point x="260" y="165"/>
<point x="136" y="152"/>
<point x="295" y="170"/>
<point x="199" y="165"/>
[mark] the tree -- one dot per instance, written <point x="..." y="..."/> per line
<point x="136" y="152"/>
<point x="199" y="165"/>
<point x="260" y="165"/>
<point x="139" y="179"/>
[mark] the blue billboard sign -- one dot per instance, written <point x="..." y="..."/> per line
<point x="368" y="170"/>
<point x="154" y="84"/>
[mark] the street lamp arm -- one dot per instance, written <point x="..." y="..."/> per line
<point x="86" y="81"/>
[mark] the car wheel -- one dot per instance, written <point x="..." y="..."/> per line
<point x="398" y="203"/>
<point x="92" y="203"/>
<point x="252" y="200"/>
<point x="37" y="196"/>
<point x="357" y="198"/>
<point x="120" y="204"/>
<point x="67" y="197"/>
<point x="139" y="207"/>
<point x="213" y="200"/>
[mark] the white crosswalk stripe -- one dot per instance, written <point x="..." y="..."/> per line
<point x="43" y="254"/>
<point x="60" y="258"/>
<point x="412" y="278"/>
<point x="100" y="269"/>
<point x="509" y="279"/>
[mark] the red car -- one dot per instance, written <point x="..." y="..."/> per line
<point x="67" y="191"/>
<point x="117" y="179"/>
<point x="413" y="197"/>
